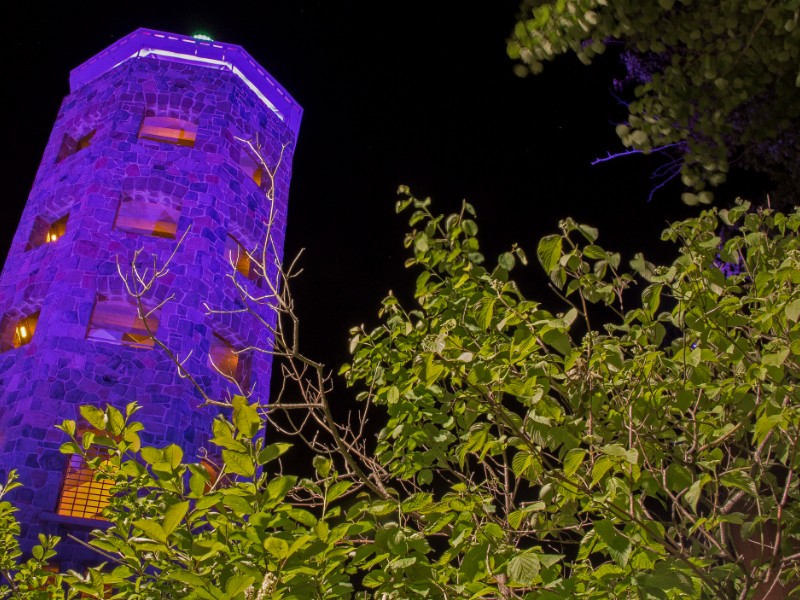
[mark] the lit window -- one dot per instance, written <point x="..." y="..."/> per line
<point x="236" y="255"/>
<point x="23" y="331"/>
<point x="169" y="129"/>
<point x="224" y="358"/>
<point x="70" y="145"/>
<point x="251" y="167"/>
<point x="81" y="495"/>
<point x="118" y="321"/>
<point x="213" y="474"/>
<point x="47" y="232"/>
<point x="148" y="218"/>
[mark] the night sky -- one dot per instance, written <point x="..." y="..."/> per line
<point x="393" y="94"/>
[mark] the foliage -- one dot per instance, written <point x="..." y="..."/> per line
<point x="522" y="453"/>
<point x="716" y="80"/>
<point x="619" y="461"/>
<point x="30" y="579"/>
<point x="183" y="530"/>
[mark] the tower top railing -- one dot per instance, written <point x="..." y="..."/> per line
<point x="180" y="48"/>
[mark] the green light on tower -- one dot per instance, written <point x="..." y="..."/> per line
<point x="203" y="36"/>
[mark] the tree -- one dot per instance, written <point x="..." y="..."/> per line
<point x="716" y="83"/>
<point x="643" y="452"/>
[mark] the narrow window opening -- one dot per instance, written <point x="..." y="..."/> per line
<point x="224" y="358"/>
<point x="119" y="322"/>
<point x="213" y="474"/>
<point x="147" y="218"/>
<point x="71" y="145"/>
<point x="24" y="329"/>
<point x="57" y="229"/>
<point x="258" y="176"/>
<point x="81" y="494"/>
<point x="47" y="232"/>
<point x="251" y="167"/>
<point x="237" y="256"/>
<point x="168" y="129"/>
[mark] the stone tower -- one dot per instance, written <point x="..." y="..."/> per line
<point x="146" y="151"/>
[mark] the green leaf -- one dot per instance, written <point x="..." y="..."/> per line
<point x="764" y="425"/>
<point x="280" y="486"/>
<point x="523" y="568"/>
<point x="549" y="252"/>
<point x="276" y="547"/>
<point x="94" y="416"/>
<point x="678" y="477"/>
<point x="272" y="452"/>
<point x="302" y="516"/>
<point x="152" y="530"/>
<point x="245" y="417"/>
<point x="573" y="460"/>
<point x="116" y="422"/>
<point x="619" y="546"/>
<point x="173" y="455"/>
<point x="238" y="463"/>
<point x="590" y="233"/>
<point x="695" y="491"/>
<point x="506" y="261"/>
<point x="337" y="489"/>
<point x="600" y="468"/>
<point x="151" y="455"/>
<point x="198" y="480"/>
<point x="186" y="577"/>
<point x="174" y="515"/>
<point x="558" y="340"/>
<point x="793" y="311"/>
<point x="236" y="584"/>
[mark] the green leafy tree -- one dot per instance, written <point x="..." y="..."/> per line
<point x="27" y="579"/>
<point x="717" y="81"/>
<point x="647" y="451"/>
<point x="560" y="458"/>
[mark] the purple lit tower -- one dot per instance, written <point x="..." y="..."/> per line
<point x="146" y="149"/>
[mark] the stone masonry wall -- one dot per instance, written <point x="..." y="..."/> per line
<point x="46" y="380"/>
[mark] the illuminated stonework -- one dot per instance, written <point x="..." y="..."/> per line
<point x="144" y="151"/>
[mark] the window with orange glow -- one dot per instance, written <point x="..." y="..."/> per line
<point x="213" y="474"/>
<point x="226" y="360"/>
<point x="118" y="321"/>
<point x="81" y="495"/>
<point x="47" y="232"/>
<point x="236" y="255"/>
<point x="252" y="167"/>
<point x="148" y="218"/>
<point x="169" y="129"/>
<point x="71" y="145"/>
<point x="24" y="329"/>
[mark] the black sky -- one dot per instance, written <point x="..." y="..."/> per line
<point x="393" y="93"/>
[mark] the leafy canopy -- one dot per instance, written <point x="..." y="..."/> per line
<point x="715" y="81"/>
<point x="522" y="453"/>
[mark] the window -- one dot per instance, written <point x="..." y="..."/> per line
<point x="237" y="256"/>
<point x="168" y="129"/>
<point x="23" y="330"/>
<point x="118" y="321"/>
<point x="47" y="232"/>
<point x="71" y="145"/>
<point x="148" y="218"/>
<point x="252" y="167"/>
<point x="81" y="495"/>
<point x="224" y="358"/>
